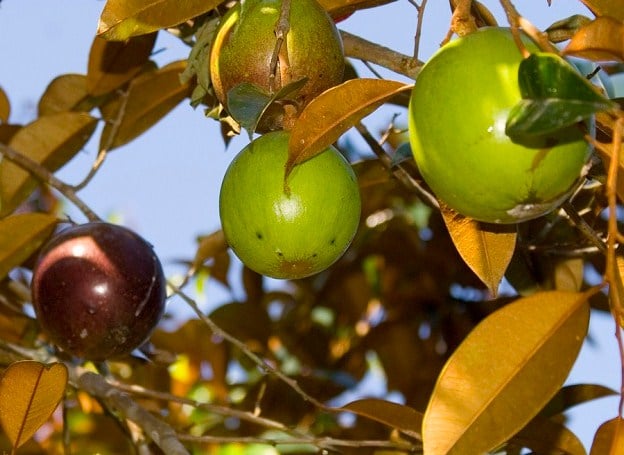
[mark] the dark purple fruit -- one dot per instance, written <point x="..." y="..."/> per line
<point x="98" y="290"/>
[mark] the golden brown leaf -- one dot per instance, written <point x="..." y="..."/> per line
<point x="67" y="92"/>
<point x="495" y="382"/>
<point x="5" y="107"/>
<point x="339" y="9"/>
<point x="113" y="63"/>
<point x="51" y="141"/>
<point x="29" y="392"/>
<point x="609" y="439"/>
<point x="333" y="112"/>
<point x="606" y="8"/>
<point x="150" y="97"/>
<point x="486" y="248"/>
<point x="546" y="436"/>
<point x="123" y="19"/>
<point x="395" y="415"/>
<point x="20" y="236"/>
<point x="600" y="40"/>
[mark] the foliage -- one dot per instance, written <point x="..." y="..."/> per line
<point x="415" y="302"/>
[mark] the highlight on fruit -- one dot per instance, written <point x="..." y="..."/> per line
<point x="98" y="290"/>
<point x="457" y="115"/>
<point x="292" y="235"/>
<point x="243" y="52"/>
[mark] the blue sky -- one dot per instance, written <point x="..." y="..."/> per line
<point x="165" y="183"/>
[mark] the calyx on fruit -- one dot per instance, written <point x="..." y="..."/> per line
<point x="98" y="290"/>
<point x="290" y="234"/>
<point x="457" y="115"/>
<point x="245" y="43"/>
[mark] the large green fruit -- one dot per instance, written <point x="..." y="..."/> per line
<point x="245" y="43"/>
<point x="288" y="234"/>
<point x="457" y="117"/>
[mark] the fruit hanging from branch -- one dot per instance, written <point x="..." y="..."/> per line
<point x="246" y="50"/>
<point x="98" y="290"/>
<point x="457" y="118"/>
<point x="289" y="229"/>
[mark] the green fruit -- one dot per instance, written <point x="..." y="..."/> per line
<point x="457" y="115"/>
<point x="288" y="235"/>
<point x="245" y="42"/>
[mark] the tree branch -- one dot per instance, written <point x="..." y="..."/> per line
<point x="361" y="49"/>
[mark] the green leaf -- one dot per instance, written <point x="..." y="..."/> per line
<point x="247" y="102"/>
<point x="113" y="63"/>
<point x="123" y="19"/>
<point x="403" y="418"/>
<point x="29" y="392"/>
<point x="20" y="236"/>
<point x="504" y="372"/>
<point x="150" y="97"/>
<point x="555" y="96"/>
<point x="50" y="141"/>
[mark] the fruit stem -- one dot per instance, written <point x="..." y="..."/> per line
<point x="282" y="27"/>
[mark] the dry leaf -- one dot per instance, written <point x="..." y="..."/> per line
<point x="546" y="436"/>
<point x="403" y="418"/>
<point x="67" y="92"/>
<point x="495" y="382"/>
<point x="486" y="248"/>
<point x="5" y="107"/>
<point x="609" y="439"/>
<point x="600" y="40"/>
<point x="29" y="392"/>
<point x="340" y="9"/>
<point x="606" y="8"/>
<point x="333" y="112"/>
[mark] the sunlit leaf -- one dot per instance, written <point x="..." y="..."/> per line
<point x="67" y="92"/>
<point x="20" y="236"/>
<point x="600" y="40"/>
<point x="563" y="30"/>
<point x="573" y="395"/>
<point x="51" y="141"/>
<point x="486" y="248"/>
<point x="123" y="19"/>
<point x="150" y="97"/>
<point x="339" y="9"/>
<point x="333" y="112"/>
<point x="395" y="415"/>
<point x="5" y="107"/>
<point x="29" y="392"/>
<point x="555" y="96"/>
<point x="504" y="372"/>
<point x="609" y="439"/>
<point x="606" y="8"/>
<point x="113" y="63"/>
<point x="545" y="436"/>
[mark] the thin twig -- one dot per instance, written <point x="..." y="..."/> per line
<point x="401" y="174"/>
<point x="359" y="48"/>
<point x="163" y="435"/>
<point x="112" y="135"/>
<point x="45" y="176"/>
<point x="419" y="23"/>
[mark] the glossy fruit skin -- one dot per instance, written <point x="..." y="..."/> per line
<point x="98" y="290"/>
<point x="288" y="235"/>
<point x="245" y="42"/>
<point x="457" y="116"/>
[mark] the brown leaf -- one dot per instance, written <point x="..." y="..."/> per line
<point x="340" y="9"/>
<point x="20" y="236"/>
<point x="600" y="40"/>
<point x="609" y="438"/>
<point x="150" y="97"/>
<point x="395" y="415"/>
<point x="29" y="392"/>
<point x="545" y="436"/>
<point x="123" y="19"/>
<point x="5" y="107"/>
<point x="67" y="92"/>
<point x="606" y="8"/>
<point x="208" y="247"/>
<point x="7" y="131"/>
<point x="333" y="112"/>
<point x="51" y="141"/>
<point x="113" y="63"/>
<point x="495" y="382"/>
<point x="486" y="248"/>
